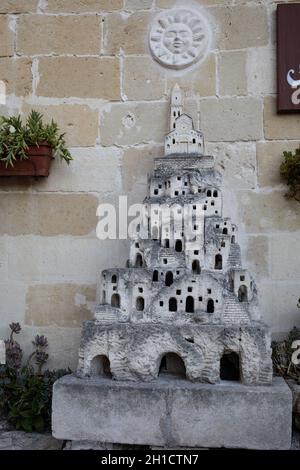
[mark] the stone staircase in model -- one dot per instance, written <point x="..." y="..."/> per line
<point x="174" y="259"/>
<point x="234" y="257"/>
<point x="235" y="312"/>
<point x="106" y="314"/>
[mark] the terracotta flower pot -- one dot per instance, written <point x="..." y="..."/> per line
<point x="38" y="163"/>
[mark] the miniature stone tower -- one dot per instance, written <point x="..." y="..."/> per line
<point x="184" y="306"/>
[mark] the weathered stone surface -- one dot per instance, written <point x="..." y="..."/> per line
<point x="59" y="34"/>
<point x="237" y="163"/>
<point x="269" y="159"/>
<point x="138" y="4"/>
<point x="230" y="119"/>
<point x="3" y="257"/>
<point x="19" y="440"/>
<point x="83" y="77"/>
<point x="165" y="3"/>
<point x="47" y="214"/>
<point x="78" y="177"/>
<point x="135" y="350"/>
<point x="270" y="211"/>
<point x="78" y="6"/>
<point x="258" y="255"/>
<point x="112" y="400"/>
<point x="13" y="303"/>
<point x="126" y="33"/>
<point x="64" y="259"/>
<point x="6" y="37"/>
<point x="65" y="305"/>
<point x="284" y="260"/>
<point x="136" y="163"/>
<point x="15" y="6"/>
<point x="17" y="75"/>
<point x="200" y="81"/>
<point x="177" y="413"/>
<point x="278" y="301"/>
<point x="279" y="126"/>
<point x="241" y="26"/>
<point x="62" y="341"/>
<point x="128" y="123"/>
<point x="251" y="412"/>
<point x="232" y="73"/>
<point x="79" y="122"/>
<point x="261" y="63"/>
<point x="171" y="3"/>
<point x="142" y="79"/>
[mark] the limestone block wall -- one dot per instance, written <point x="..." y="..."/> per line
<point x="86" y="63"/>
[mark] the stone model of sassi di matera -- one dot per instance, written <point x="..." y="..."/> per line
<point x="184" y="306"/>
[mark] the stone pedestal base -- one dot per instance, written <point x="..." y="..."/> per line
<point x="173" y="413"/>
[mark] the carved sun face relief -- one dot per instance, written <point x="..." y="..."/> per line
<point x="179" y="38"/>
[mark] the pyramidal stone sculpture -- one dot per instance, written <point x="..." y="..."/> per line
<point x="177" y="345"/>
<point x="185" y="305"/>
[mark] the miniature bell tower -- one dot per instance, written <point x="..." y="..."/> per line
<point x="176" y="105"/>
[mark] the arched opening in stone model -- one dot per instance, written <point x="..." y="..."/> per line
<point x="113" y="279"/>
<point x="243" y="294"/>
<point x="215" y="193"/>
<point x="208" y="193"/>
<point x="140" y="304"/>
<point x="172" y="304"/>
<point x="178" y="246"/>
<point x="230" y="366"/>
<point x="172" y="365"/>
<point x="155" y="276"/>
<point x="225" y="231"/>
<point x="100" y="365"/>
<point x="210" y="306"/>
<point x="196" y="266"/>
<point x="189" y="304"/>
<point x="138" y="261"/>
<point x="167" y="243"/>
<point x="218" y="262"/>
<point x="155" y="233"/>
<point x="115" y="301"/>
<point x="169" y="278"/>
<point x="233" y="239"/>
<point x="103" y="297"/>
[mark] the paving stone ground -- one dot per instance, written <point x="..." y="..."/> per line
<point x="20" y="440"/>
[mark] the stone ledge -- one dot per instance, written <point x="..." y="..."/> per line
<point x="170" y="413"/>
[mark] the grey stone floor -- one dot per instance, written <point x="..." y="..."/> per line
<point x="19" y="440"/>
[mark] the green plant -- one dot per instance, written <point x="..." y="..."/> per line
<point x="26" y="395"/>
<point x="27" y="398"/>
<point x="16" y="138"/>
<point x="290" y="171"/>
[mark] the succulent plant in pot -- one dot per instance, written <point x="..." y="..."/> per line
<point x="28" y="149"/>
